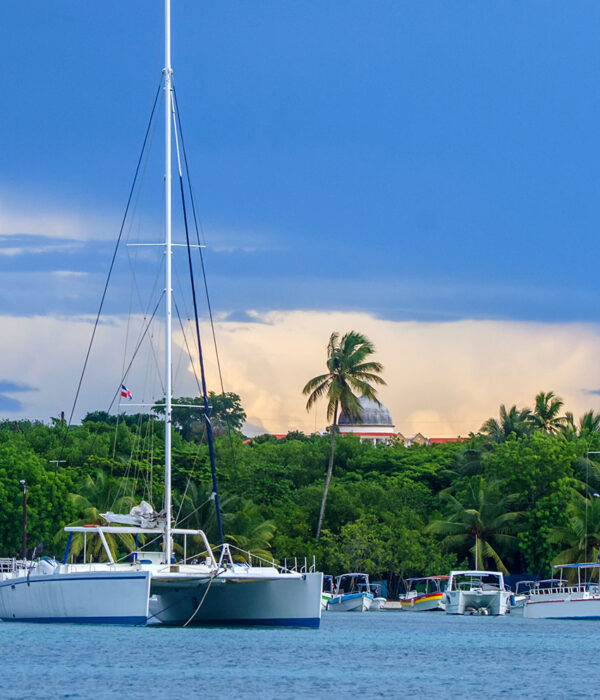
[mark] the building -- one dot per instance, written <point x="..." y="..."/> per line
<point x="376" y="425"/>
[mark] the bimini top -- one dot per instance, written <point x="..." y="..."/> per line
<point x="372" y="413"/>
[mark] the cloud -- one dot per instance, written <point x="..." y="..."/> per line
<point x="443" y="379"/>
<point x="10" y="405"/>
<point x="7" y="386"/>
<point x="28" y="219"/>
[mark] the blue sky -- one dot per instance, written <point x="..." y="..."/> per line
<point x="416" y="161"/>
<point x="425" y="160"/>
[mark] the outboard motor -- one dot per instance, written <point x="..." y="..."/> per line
<point x="47" y="566"/>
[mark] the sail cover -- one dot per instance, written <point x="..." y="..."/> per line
<point x="142" y="515"/>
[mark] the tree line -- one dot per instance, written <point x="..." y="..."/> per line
<point x="522" y="492"/>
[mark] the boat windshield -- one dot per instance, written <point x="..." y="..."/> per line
<point x="353" y="583"/>
<point x="468" y="581"/>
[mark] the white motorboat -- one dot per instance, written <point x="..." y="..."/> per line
<point x="328" y="589"/>
<point x="476" y="592"/>
<point x="352" y="594"/>
<point x="152" y="588"/>
<point x="424" y="594"/>
<point x="560" y="600"/>
<point x="379" y="601"/>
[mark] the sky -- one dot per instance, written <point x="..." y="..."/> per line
<point x="425" y="173"/>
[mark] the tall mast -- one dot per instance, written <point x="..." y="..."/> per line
<point x="168" y="545"/>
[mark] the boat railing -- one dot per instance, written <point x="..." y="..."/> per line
<point x="594" y="589"/>
<point x="300" y="565"/>
<point x="8" y="565"/>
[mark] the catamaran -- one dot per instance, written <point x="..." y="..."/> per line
<point x="152" y="587"/>
<point x="476" y="592"/>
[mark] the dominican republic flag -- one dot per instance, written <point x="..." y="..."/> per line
<point x="125" y="393"/>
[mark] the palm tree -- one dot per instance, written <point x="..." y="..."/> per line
<point x="545" y="414"/>
<point x="580" y="537"/>
<point x="589" y="423"/>
<point x="480" y="522"/>
<point x="250" y="532"/>
<point x="348" y="374"/>
<point x="519" y="422"/>
<point x="97" y="495"/>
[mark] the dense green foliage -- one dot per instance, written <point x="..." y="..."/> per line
<point x="529" y="495"/>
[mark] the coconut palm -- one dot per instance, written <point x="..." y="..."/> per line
<point x="195" y="510"/>
<point x="250" y="532"/>
<point x="480" y="522"/>
<point x="519" y="422"/>
<point x="349" y="376"/>
<point x="545" y="415"/>
<point x="589" y="424"/>
<point x="97" y="495"/>
<point x="580" y="537"/>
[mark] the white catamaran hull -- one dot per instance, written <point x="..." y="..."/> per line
<point x="111" y="597"/>
<point x="294" y="602"/>
<point x="126" y="595"/>
<point x="476" y="601"/>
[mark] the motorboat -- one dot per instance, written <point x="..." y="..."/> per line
<point x="328" y="590"/>
<point x="561" y="600"/>
<point x="424" y="594"/>
<point x="476" y="592"/>
<point x="352" y="594"/>
<point x="379" y="601"/>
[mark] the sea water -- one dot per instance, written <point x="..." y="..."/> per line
<point x="374" y="654"/>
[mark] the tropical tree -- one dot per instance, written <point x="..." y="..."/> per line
<point x="480" y="521"/>
<point x="589" y="424"/>
<point x="349" y="375"/>
<point x="545" y="415"/>
<point x="580" y="537"/>
<point x="96" y="495"/>
<point x="250" y="532"/>
<point x="520" y="422"/>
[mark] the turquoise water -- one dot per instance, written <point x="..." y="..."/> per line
<point x="380" y="654"/>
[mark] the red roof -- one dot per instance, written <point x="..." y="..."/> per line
<point x="435" y="441"/>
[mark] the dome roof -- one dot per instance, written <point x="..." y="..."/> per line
<point x="372" y="414"/>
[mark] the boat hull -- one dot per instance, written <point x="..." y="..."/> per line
<point x="351" y="602"/>
<point x="423" y="603"/>
<point x="293" y="602"/>
<point x="563" y="606"/>
<point x="119" y="598"/>
<point x="476" y="601"/>
<point x="378" y="604"/>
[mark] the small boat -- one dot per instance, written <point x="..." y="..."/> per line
<point x="476" y="593"/>
<point x="353" y="594"/>
<point x="378" y="600"/>
<point x="423" y="594"/>
<point x="328" y="589"/>
<point x="559" y="600"/>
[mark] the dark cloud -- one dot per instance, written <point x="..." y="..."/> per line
<point x="8" y="386"/>
<point x="595" y="392"/>
<point x="9" y="405"/>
